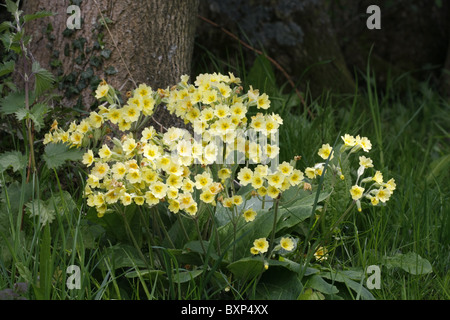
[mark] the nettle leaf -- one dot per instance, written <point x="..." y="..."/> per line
<point x="37" y="15"/>
<point x="39" y="208"/>
<point x="13" y="159"/>
<point x="44" y="79"/>
<point x="56" y="154"/>
<point x="38" y="112"/>
<point x="12" y="103"/>
<point x="7" y="67"/>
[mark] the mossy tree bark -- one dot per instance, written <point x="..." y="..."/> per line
<point x="147" y="41"/>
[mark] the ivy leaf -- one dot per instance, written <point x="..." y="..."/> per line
<point x="56" y="154"/>
<point x="44" y="79"/>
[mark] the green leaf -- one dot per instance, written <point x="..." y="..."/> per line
<point x="247" y="268"/>
<point x="318" y="283"/>
<point x="38" y="112"/>
<point x="44" y="79"/>
<point x="410" y="262"/>
<point x="347" y="277"/>
<point x="56" y="154"/>
<point x="37" y="15"/>
<point x="12" y="6"/>
<point x="12" y="103"/>
<point x="279" y="285"/>
<point x="7" y="67"/>
<point x="14" y="159"/>
<point x="186" y="276"/>
<point x="310" y="294"/>
<point x="39" y="208"/>
<point x="121" y="256"/>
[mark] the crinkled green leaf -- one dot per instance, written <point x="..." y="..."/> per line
<point x="56" y="154"/>
<point x="7" y="67"/>
<point x="14" y="159"/>
<point x="44" y="79"/>
<point x="37" y="15"/>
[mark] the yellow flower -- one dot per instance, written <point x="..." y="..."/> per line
<point x="148" y="133"/>
<point x="224" y="173"/>
<point x="139" y="200"/>
<point x="126" y="199"/>
<point x="273" y="192"/>
<point x="192" y="209"/>
<point x="321" y="254"/>
<point x="88" y="158"/>
<point x="245" y="176"/>
<point x="158" y="189"/>
<point x="325" y="151"/>
<point x="390" y="185"/>
<point x="203" y="180"/>
<point x="287" y="244"/>
<point x="285" y="168"/>
<point x="151" y="152"/>
<point x="237" y="200"/>
<point x="365" y="162"/>
<point x="95" y="120"/>
<point x="296" y="177"/>
<point x="131" y="113"/>
<point x="275" y="180"/>
<point x="261" y="245"/>
<point x="356" y="192"/>
<point x="174" y="205"/>
<point x="383" y="194"/>
<point x="105" y="152"/>
<point x="262" y="191"/>
<point x="150" y="199"/>
<point x="263" y="102"/>
<point x="257" y="181"/>
<point x="102" y="91"/>
<point x="249" y="215"/>
<point x="207" y="196"/>
<point x="174" y="181"/>
<point x="100" y="170"/>
<point x="129" y="146"/>
<point x="349" y="140"/>
<point x="378" y="177"/>
<point x="76" y="138"/>
<point x="134" y="176"/>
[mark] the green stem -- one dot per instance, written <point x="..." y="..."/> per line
<point x="275" y="218"/>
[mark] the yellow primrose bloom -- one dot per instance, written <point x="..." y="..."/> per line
<point x="365" y="162"/>
<point x="105" y="152"/>
<point x="262" y="191"/>
<point x="148" y="133"/>
<point x="126" y="199"/>
<point x="83" y="127"/>
<point x="257" y="181"/>
<point x="102" y="91"/>
<point x="287" y="243"/>
<point x="249" y="215"/>
<point x="88" y="158"/>
<point x="296" y="177"/>
<point x="207" y="196"/>
<point x="151" y="152"/>
<point x="349" y="140"/>
<point x="115" y="115"/>
<point x="139" y="200"/>
<point x="129" y="146"/>
<point x="238" y="109"/>
<point x="143" y="90"/>
<point x="382" y="194"/>
<point x="325" y="151"/>
<point x="131" y="113"/>
<point x="285" y="168"/>
<point x="76" y="138"/>
<point x="261" y="245"/>
<point x="224" y="173"/>
<point x="158" y="189"/>
<point x="263" y="102"/>
<point x="95" y="120"/>
<point x="356" y="192"/>
<point x="174" y="205"/>
<point x="134" y="176"/>
<point x="390" y="185"/>
<point x="237" y="200"/>
<point x="192" y="209"/>
<point x="172" y="193"/>
<point x="378" y="177"/>
<point x="100" y="170"/>
<point x="174" y="181"/>
<point x="150" y="199"/>
<point x="245" y="176"/>
<point x="321" y="254"/>
<point x="273" y="192"/>
<point x="203" y="180"/>
<point x="276" y="179"/>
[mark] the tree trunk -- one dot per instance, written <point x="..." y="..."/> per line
<point x="148" y="41"/>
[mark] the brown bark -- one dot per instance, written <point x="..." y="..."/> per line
<point x="150" y="42"/>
